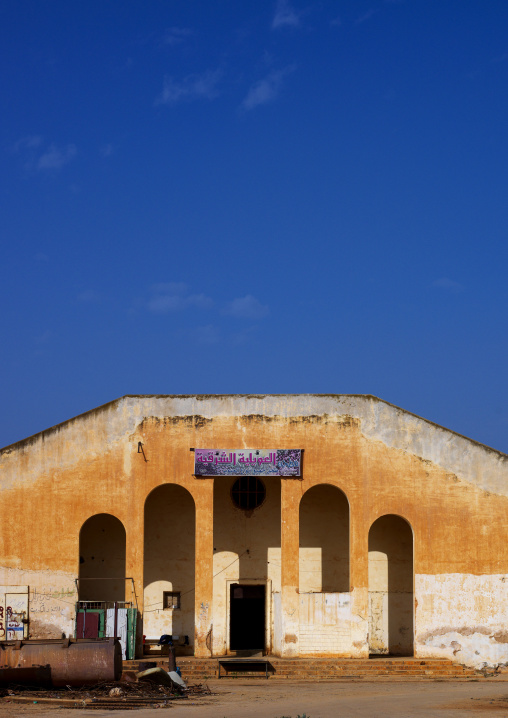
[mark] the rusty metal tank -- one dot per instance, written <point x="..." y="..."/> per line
<point x="73" y="662"/>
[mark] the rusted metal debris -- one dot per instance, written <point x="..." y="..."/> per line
<point x="29" y="676"/>
<point x="125" y="696"/>
<point x="155" y="675"/>
<point x="71" y="662"/>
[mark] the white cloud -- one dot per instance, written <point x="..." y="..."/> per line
<point x="35" y="158"/>
<point x="285" y="15"/>
<point x="176" y="35"/>
<point x="27" y="143"/>
<point x="266" y="90"/>
<point x="55" y="158"/>
<point x="247" y="307"/>
<point x="174" y="297"/>
<point x="192" y="87"/>
<point x="449" y="284"/>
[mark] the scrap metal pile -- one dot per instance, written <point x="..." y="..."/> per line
<point x="85" y="673"/>
<point x="118" y="695"/>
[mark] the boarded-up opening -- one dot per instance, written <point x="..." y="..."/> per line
<point x="324" y="540"/>
<point x="391" y="587"/>
<point x="87" y="624"/>
<point x="169" y="563"/>
<point x="102" y="559"/>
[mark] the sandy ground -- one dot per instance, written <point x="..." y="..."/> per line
<point x="255" y="699"/>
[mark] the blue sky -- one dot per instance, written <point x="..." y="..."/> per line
<point x="255" y="197"/>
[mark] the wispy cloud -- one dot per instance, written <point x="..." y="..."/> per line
<point x="285" y="15"/>
<point x="365" y="16"/>
<point x="43" y="343"/>
<point x="54" y="158"/>
<point x="170" y="288"/>
<point x="266" y="90"/>
<point x="192" y="87"/>
<point x="106" y="150"/>
<point x="246" y="336"/>
<point x="27" y="143"/>
<point x="247" y="307"/>
<point x="500" y="58"/>
<point x="449" y="284"/>
<point x="89" y="296"/>
<point x="208" y="334"/>
<point x="175" y="297"/>
<point x="176" y="35"/>
<point x="37" y="159"/>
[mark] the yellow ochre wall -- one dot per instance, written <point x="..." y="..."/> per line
<point x="452" y="492"/>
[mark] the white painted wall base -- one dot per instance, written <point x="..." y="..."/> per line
<point x="325" y="624"/>
<point x="463" y="617"/>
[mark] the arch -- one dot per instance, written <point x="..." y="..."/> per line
<point x="169" y="564"/>
<point x="102" y="559"/>
<point x="246" y="553"/>
<point x="324" y="540"/>
<point x="391" y="592"/>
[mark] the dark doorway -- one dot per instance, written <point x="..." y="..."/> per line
<point x="247" y="627"/>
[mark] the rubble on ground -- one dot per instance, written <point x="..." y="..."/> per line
<point x="123" y="694"/>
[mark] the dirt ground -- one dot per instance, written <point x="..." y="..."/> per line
<point x="256" y="699"/>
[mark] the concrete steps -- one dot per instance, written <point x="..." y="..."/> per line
<point x="198" y="670"/>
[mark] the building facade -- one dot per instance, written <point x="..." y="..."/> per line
<point x="389" y="537"/>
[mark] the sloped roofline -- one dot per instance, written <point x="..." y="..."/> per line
<point x="203" y="397"/>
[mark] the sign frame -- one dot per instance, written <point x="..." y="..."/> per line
<point x="281" y="463"/>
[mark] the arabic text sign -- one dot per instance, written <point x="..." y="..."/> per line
<point x="247" y="462"/>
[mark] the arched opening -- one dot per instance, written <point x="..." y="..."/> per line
<point x="169" y="565"/>
<point x="102" y="559"/>
<point x="324" y="572"/>
<point x="391" y="586"/>
<point x="324" y="540"/>
<point x="246" y="563"/>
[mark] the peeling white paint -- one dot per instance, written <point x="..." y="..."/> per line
<point x="359" y="623"/>
<point x="463" y="617"/>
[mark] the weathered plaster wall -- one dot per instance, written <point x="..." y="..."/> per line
<point x="381" y="421"/>
<point x="453" y="492"/>
<point x="325" y="624"/>
<point x="463" y="617"/>
<point x="51" y="600"/>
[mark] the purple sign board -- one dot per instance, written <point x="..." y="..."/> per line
<point x="247" y="462"/>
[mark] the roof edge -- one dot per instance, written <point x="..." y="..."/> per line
<point x="203" y="397"/>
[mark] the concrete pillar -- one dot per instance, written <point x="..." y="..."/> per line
<point x="290" y="550"/>
<point x="204" y="570"/>
<point x="359" y="579"/>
